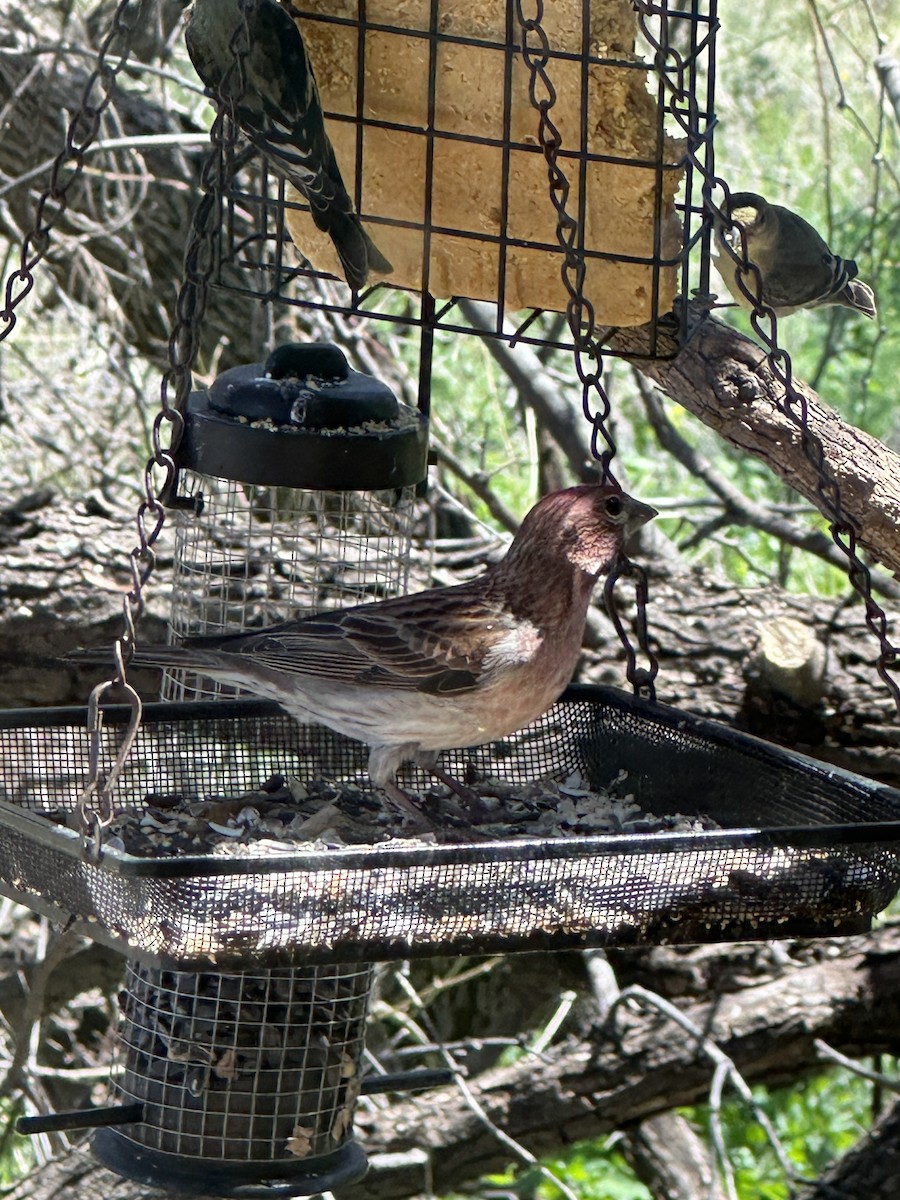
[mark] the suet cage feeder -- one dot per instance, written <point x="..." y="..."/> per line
<point x="248" y="970"/>
<point x="439" y="123"/>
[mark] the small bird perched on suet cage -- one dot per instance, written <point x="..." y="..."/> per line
<point x="796" y="267"/>
<point x="444" y="668"/>
<point x="271" y="86"/>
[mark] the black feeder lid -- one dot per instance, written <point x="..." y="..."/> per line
<point x="188" y="1176"/>
<point x="304" y="419"/>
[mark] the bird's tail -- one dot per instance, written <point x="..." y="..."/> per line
<point x="358" y="253"/>
<point x="194" y="659"/>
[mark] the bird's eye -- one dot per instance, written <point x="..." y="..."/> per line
<point x="614" y="506"/>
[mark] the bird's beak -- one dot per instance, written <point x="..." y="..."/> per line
<point x="638" y="515"/>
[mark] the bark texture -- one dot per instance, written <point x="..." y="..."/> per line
<point x="726" y="381"/>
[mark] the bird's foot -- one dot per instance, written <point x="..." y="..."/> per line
<point x="419" y="820"/>
<point x="452" y="823"/>
<point x="471" y="799"/>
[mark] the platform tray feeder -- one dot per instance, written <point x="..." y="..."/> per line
<point x="791" y="847"/>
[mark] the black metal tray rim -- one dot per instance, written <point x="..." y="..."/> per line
<point x="390" y="856"/>
<point x="825" y="836"/>
<point x="156" y="712"/>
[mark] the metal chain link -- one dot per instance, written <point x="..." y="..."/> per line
<point x="580" y="317"/>
<point x="672" y="70"/>
<point x="66" y="170"/>
<point x="190" y="308"/>
<point x="94" y="807"/>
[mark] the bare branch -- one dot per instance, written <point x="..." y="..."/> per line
<point x="724" y="379"/>
<point x="738" y="508"/>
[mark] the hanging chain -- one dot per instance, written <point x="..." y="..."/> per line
<point x="792" y="404"/>
<point x="94" y="809"/>
<point x="190" y="307"/>
<point x="52" y="204"/>
<point x="580" y="317"/>
<point x="68" y="165"/>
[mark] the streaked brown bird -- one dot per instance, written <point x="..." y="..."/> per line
<point x="796" y="267"/>
<point x="444" y="668"/>
<point x="276" y="104"/>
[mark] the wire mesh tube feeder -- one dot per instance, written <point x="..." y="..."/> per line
<point x="296" y="483"/>
<point x="297" y="479"/>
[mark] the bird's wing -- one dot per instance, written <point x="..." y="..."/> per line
<point x="293" y="125"/>
<point x="801" y="270"/>
<point x="448" y="645"/>
<point x="823" y="283"/>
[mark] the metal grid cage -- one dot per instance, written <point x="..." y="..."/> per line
<point x="253" y="556"/>
<point x="250" y="1076"/>
<point x="801" y="848"/>
<point x="442" y="124"/>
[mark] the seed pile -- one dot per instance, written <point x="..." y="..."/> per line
<point x="325" y="814"/>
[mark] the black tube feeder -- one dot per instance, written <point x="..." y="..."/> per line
<point x="246" y="1082"/>
<point x="297" y="480"/>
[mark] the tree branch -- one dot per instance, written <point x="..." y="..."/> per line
<point x="738" y="508"/>
<point x="888" y="69"/>
<point x="538" y="389"/>
<point x="724" y="379"/>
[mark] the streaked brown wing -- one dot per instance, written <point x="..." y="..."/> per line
<point x="433" y="642"/>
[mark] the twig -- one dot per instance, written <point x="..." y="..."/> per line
<point x="514" y="1147"/>
<point x="478" y="483"/>
<point x="716" y="1088"/>
<point x="850" y="1064"/>
<point x="650" y="1000"/>
<point x="888" y="69"/>
<point x="539" y="391"/>
<point x="550" y="1030"/>
<point x="56" y="949"/>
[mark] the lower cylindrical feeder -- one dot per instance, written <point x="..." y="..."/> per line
<point x="244" y="1079"/>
